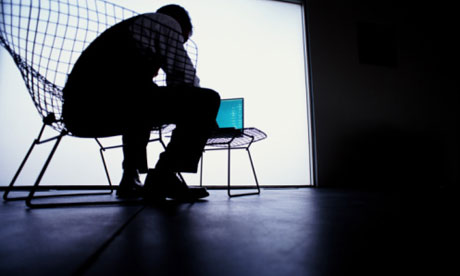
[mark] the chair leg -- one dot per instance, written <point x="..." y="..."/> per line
<point x="35" y="187"/>
<point x="101" y="151"/>
<point x="61" y="204"/>
<point x="42" y="172"/>
<point x="24" y="161"/>
<point x="18" y="172"/>
<point x="253" y="170"/>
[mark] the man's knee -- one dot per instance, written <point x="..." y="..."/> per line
<point x="210" y="97"/>
<point x="211" y="100"/>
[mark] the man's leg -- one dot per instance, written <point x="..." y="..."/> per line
<point x="134" y="150"/>
<point x="193" y="111"/>
<point x="135" y="161"/>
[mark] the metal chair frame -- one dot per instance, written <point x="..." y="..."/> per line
<point x="39" y="141"/>
<point x="45" y="38"/>
<point x="234" y="143"/>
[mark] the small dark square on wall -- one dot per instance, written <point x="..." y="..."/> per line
<point x="377" y="44"/>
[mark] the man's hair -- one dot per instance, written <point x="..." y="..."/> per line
<point x="180" y="15"/>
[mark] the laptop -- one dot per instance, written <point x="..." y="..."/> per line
<point x="230" y="118"/>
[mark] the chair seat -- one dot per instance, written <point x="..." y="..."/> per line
<point x="114" y="132"/>
<point x="249" y="135"/>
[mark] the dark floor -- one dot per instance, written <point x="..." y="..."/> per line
<point x="281" y="232"/>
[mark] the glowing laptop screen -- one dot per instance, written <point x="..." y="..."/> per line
<point x="230" y="113"/>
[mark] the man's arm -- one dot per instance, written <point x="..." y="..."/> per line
<point x="161" y="36"/>
<point x="178" y="66"/>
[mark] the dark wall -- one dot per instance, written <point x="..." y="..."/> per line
<point x="384" y="102"/>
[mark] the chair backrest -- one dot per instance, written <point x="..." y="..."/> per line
<point x="46" y="37"/>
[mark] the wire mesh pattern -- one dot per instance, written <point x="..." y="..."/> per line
<point x="46" y="37"/>
<point x="248" y="136"/>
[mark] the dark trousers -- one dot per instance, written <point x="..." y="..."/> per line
<point x="192" y="109"/>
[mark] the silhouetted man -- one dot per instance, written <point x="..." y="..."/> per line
<point x="110" y="91"/>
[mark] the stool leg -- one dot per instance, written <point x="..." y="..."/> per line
<point x="228" y="172"/>
<point x="201" y="170"/>
<point x="253" y="170"/>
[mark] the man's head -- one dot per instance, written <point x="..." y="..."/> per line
<point x="181" y="16"/>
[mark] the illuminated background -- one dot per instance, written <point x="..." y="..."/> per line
<point x="247" y="48"/>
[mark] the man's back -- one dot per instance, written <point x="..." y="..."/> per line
<point x="110" y="56"/>
<point x="108" y="69"/>
<point x="111" y="78"/>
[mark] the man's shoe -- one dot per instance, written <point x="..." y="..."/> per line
<point x="130" y="185"/>
<point x="161" y="185"/>
<point x="152" y="191"/>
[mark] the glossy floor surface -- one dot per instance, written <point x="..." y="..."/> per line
<point x="280" y="232"/>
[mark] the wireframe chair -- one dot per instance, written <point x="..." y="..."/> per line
<point x="45" y="39"/>
<point x="242" y="139"/>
